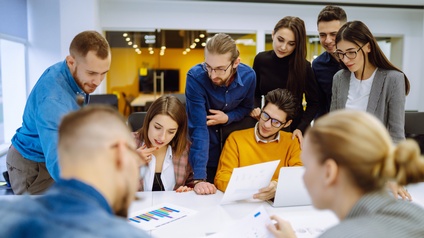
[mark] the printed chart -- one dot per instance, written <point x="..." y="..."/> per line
<point x="159" y="215"/>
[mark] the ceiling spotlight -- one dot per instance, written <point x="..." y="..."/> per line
<point x="125" y="34"/>
<point x="184" y="52"/>
<point x="196" y="40"/>
<point x="151" y="52"/>
<point x="130" y="43"/>
<point x="202" y="35"/>
<point x="127" y="39"/>
<point x="135" y="46"/>
<point x="203" y="44"/>
<point x="163" y="47"/>
<point x="188" y="49"/>
<point x="150" y="48"/>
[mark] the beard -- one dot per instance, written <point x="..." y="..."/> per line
<point x="267" y="137"/>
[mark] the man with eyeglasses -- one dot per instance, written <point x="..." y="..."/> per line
<point x="218" y="92"/>
<point x="263" y="143"/>
<point x="330" y="19"/>
<point x="100" y="171"/>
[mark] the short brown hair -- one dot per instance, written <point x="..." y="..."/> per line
<point x="89" y="41"/>
<point x="221" y="44"/>
<point x="332" y="13"/>
<point x="284" y="100"/>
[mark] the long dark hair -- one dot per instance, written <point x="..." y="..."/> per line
<point x="359" y="34"/>
<point x="297" y="63"/>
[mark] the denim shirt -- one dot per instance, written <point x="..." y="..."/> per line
<point x="236" y="101"/>
<point x="325" y="67"/>
<point x="53" y="96"/>
<point x="70" y="208"/>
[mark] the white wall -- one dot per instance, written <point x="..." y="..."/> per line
<point x="52" y="26"/>
<point x="260" y="18"/>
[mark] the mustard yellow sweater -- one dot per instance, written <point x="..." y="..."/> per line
<point x="241" y="149"/>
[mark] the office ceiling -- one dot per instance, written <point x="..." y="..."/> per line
<point x="359" y="3"/>
<point x="184" y="38"/>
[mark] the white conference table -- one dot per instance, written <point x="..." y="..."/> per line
<point x="211" y="217"/>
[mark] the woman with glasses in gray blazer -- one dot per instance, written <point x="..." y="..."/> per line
<point x="368" y="81"/>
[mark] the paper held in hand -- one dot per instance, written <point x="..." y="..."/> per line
<point x="246" y="181"/>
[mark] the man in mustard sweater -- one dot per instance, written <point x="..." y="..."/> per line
<point x="263" y="143"/>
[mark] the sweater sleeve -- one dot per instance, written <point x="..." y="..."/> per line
<point x="227" y="162"/>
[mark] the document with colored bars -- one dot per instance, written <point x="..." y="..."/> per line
<point x="158" y="215"/>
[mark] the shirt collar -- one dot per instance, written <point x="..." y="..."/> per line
<point x="277" y="138"/>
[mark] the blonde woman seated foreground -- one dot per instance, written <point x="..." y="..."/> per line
<point x="348" y="157"/>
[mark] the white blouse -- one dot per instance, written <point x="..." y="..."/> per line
<point x="359" y="92"/>
<point x="167" y="175"/>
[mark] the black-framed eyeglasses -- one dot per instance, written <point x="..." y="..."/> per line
<point x="274" y="122"/>
<point x="348" y="54"/>
<point x="143" y="166"/>
<point x="218" y="71"/>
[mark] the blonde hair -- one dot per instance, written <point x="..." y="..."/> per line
<point x="360" y="143"/>
<point x="221" y="44"/>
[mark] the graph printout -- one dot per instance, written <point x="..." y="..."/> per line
<point x="158" y="215"/>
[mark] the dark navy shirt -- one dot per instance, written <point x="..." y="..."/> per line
<point x="325" y="67"/>
<point x="236" y="101"/>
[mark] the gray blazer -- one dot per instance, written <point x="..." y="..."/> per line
<point x="386" y="102"/>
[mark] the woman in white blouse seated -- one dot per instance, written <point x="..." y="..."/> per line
<point x="348" y="156"/>
<point x="163" y="143"/>
<point x="369" y="82"/>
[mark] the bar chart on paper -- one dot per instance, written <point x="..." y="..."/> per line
<point x="158" y="215"/>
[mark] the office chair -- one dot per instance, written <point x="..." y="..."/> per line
<point x="136" y="120"/>
<point x="128" y="109"/>
<point x="225" y="131"/>
<point x="414" y="127"/>
<point x="109" y="99"/>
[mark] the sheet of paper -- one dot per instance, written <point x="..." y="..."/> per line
<point x="252" y="225"/>
<point x="158" y="215"/>
<point x="246" y="181"/>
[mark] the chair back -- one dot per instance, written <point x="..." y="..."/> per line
<point x="414" y="127"/>
<point x="136" y="120"/>
<point x="109" y="99"/>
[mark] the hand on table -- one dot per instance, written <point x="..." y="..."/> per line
<point x="182" y="189"/>
<point x="217" y="117"/>
<point x="281" y="229"/>
<point x="398" y="190"/>
<point x="267" y="192"/>
<point x="203" y="188"/>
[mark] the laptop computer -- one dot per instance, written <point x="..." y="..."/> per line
<point x="291" y="190"/>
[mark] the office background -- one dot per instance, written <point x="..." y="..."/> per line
<point x="35" y="34"/>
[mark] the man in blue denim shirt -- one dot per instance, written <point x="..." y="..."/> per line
<point x="218" y="92"/>
<point x="32" y="158"/>
<point x="100" y="171"/>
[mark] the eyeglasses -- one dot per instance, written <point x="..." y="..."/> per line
<point x="217" y="71"/>
<point x="143" y="167"/>
<point x="274" y="122"/>
<point x="348" y="54"/>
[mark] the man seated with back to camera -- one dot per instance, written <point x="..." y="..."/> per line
<point x="100" y="170"/>
<point x="263" y="143"/>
